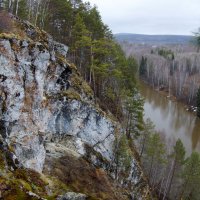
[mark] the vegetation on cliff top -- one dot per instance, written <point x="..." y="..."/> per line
<point x="91" y="46"/>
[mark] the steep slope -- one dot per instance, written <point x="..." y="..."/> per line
<point x="49" y="123"/>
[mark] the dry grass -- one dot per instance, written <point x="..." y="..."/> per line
<point x="81" y="176"/>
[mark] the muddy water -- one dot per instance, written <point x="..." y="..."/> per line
<point x="171" y="119"/>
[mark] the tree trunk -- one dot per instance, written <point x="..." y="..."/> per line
<point x="183" y="190"/>
<point x="151" y="165"/>
<point x="167" y="183"/>
<point x="172" y="177"/>
<point x="92" y="63"/>
<point x="161" y="185"/>
<point x="37" y="12"/>
<point x="143" y="145"/>
<point x="94" y="84"/>
<point x="17" y="7"/>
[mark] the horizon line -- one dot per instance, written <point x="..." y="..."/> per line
<point x="153" y="34"/>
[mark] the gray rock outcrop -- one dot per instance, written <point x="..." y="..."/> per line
<point x="46" y="109"/>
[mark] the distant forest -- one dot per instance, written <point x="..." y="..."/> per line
<point x="174" y="68"/>
<point x="154" y="39"/>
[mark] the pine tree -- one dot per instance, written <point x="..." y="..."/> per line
<point x="143" y="67"/>
<point x="123" y="154"/>
<point x="155" y="152"/>
<point x="81" y="41"/>
<point x="149" y="129"/>
<point x="23" y="11"/>
<point x="134" y="114"/>
<point x="191" y="178"/>
<point x="178" y="161"/>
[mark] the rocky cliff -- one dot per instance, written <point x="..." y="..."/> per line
<point x="50" y="123"/>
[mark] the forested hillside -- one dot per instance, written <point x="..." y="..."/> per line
<point x="91" y="45"/>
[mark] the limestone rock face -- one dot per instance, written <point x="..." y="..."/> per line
<point x="46" y="109"/>
<point x="38" y="104"/>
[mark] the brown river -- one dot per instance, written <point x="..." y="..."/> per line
<point x="171" y="119"/>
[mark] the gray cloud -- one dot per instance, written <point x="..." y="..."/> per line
<point x="150" y="16"/>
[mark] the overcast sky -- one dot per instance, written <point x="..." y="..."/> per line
<point x="150" y="16"/>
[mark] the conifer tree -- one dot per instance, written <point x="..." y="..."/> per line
<point x="123" y="154"/>
<point x="155" y="152"/>
<point x="143" y="67"/>
<point x="191" y="178"/>
<point x="81" y="41"/>
<point x="148" y="130"/>
<point x="178" y="161"/>
<point x="197" y="39"/>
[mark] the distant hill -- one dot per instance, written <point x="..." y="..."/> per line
<point x="153" y="39"/>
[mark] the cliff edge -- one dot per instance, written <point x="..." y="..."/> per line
<point x="54" y="139"/>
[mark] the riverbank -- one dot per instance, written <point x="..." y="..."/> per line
<point x="165" y="92"/>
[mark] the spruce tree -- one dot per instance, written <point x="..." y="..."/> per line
<point x="143" y="66"/>
<point x="149" y="129"/>
<point x="178" y="161"/>
<point x="197" y="39"/>
<point x="155" y="152"/>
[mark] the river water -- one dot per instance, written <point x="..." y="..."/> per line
<point x="171" y="119"/>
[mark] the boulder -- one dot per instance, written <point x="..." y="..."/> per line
<point x="72" y="196"/>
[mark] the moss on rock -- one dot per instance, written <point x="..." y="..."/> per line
<point x="80" y="85"/>
<point x="71" y="94"/>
